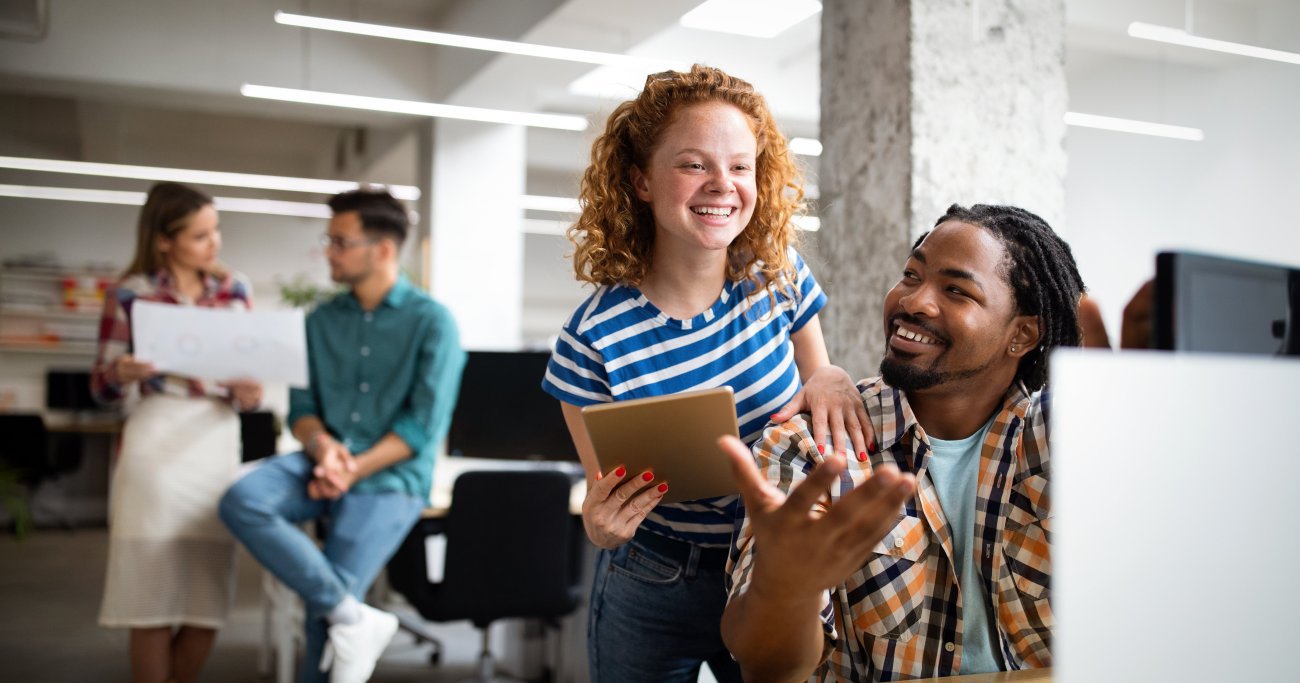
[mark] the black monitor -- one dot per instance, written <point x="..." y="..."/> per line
<point x="69" y="390"/>
<point x="502" y="411"/>
<point x="1214" y="303"/>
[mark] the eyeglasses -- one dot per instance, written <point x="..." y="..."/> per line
<point x="342" y="244"/>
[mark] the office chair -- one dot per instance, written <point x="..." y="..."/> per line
<point x="513" y="551"/>
<point x="23" y="453"/>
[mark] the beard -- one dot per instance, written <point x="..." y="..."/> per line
<point x="908" y="378"/>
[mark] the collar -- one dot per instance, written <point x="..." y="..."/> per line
<point x="166" y="283"/>
<point x="898" y="422"/>
<point x="396" y="297"/>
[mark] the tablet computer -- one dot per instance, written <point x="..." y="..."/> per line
<point x="675" y="436"/>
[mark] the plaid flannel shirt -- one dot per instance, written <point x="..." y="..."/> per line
<point x="900" y="615"/>
<point x="231" y="291"/>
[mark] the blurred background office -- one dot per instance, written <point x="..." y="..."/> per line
<point x="270" y="91"/>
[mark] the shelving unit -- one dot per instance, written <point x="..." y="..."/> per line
<point x="53" y="311"/>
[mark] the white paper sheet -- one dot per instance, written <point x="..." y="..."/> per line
<point x="219" y="344"/>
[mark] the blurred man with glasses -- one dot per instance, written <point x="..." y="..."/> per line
<point x="384" y="369"/>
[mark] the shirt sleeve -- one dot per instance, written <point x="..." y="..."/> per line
<point x="811" y="297"/>
<point x="435" y="386"/>
<point x="576" y="372"/>
<point x="114" y="342"/>
<point x="785" y="454"/>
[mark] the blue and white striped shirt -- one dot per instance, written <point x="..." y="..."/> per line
<point x="619" y="346"/>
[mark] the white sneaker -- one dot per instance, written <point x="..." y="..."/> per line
<point x="354" y="648"/>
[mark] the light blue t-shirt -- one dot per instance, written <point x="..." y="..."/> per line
<point x="954" y="469"/>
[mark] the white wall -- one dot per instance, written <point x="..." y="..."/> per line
<point x="1130" y="196"/>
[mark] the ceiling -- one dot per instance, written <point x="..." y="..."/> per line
<point x="151" y="81"/>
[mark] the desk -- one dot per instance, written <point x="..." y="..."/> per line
<point x="1026" y="676"/>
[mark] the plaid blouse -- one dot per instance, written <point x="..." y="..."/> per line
<point x="900" y="615"/>
<point x="231" y="291"/>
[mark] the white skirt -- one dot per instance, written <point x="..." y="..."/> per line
<point x="170" y="560"/>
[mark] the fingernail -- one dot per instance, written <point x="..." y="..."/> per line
<point x="862" y="456"/>
<point x="620" y="472"/>
<point x="821" y="449"/>
<point x="871" y="448"/>
<point x="663" y="488"/>
<point x="772" y="417"/>
<point x="648" y="476"/>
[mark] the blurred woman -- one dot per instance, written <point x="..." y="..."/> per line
<point x="171" y="562"/>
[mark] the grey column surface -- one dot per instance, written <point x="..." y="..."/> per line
<point x="926" y="103"/>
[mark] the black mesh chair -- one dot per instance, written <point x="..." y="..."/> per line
<point x="514" y="550"/>
<point x="24" y="461"/>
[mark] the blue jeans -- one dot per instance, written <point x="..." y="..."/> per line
<point x="263" y="510"/>
<point x="655" y="617"/>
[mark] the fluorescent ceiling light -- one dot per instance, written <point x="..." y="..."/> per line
<point x="758" y="18"/>
<point x="1133" y="126"/>
<point x="181" y="175"/>
<point x="537" y="226"/>
<point x="807" y="223"/>
<point x="234" y="204"/>
<point x="1173" y="36"/>
<point x="532" y="202"/>
<point x="471" y="42"/>
<point x="806" y="146"/>
<point x="448" y="111"/>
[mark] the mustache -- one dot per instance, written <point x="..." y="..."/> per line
<point x="916" y="322"/>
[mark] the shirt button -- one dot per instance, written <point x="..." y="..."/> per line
<point x="365" y="350"/>
<point x="949" y="647"/>
<point x="365" y="387"/>
<point x="356" y="417"/>
<point x="898" y="541"/>
<point x="370" y="317"/>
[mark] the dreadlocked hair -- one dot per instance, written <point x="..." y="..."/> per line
<point x="1043" y="276"/>
<point x="614" y="235"/>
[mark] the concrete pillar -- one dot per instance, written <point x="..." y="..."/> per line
<point x="926" y="103"/>
<point x="476" y="238"/>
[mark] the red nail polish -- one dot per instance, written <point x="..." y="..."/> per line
<point x="871" y="448"/>
<point x="620" y="472"/>
<point x="648" y="476"/>
<point x="821" y="449"/>
<point x="772" y="417"/>
<point x="862" y="456"/>
<point x="663" y="488"/>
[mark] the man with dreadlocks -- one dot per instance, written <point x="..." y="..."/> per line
<point x="945" y="568"/>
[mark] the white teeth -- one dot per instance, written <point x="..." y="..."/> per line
<point x="712" y="211"/>
<point x="915" y="336"/>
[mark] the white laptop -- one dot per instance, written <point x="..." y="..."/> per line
<point x="1176" y="496"/>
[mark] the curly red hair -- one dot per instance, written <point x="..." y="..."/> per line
<point x="614" y="236"/>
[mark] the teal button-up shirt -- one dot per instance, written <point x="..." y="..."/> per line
<point x="394" y="369"/>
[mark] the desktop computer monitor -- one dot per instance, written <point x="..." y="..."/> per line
<point x="502" y="411"/>
<point x="1213" y="303"/>
<point x="69" y="390"/>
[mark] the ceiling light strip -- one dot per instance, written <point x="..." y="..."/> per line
<point x="1163" y="130"/>
<point x="1174" y="36"/>
<point x="182" y="175"/>
<point x="533" y="202"/>
<point x="233" y="204"/>
<point x="808" y="147"/>
<point x="455" y="40"/>
<point x="431" y="109"/>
